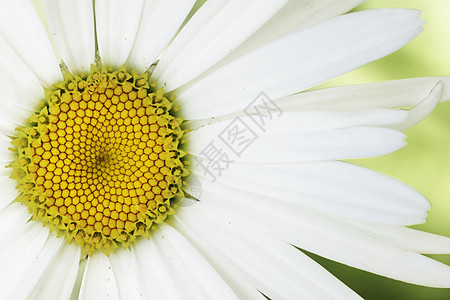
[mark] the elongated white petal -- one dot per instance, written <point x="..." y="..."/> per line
<point x="294" y="16"/>
<point x="216" y="29"/>
<point x="178" y="270"/>
<point x="59" y="278"/>
<point x="117" y="23"/>
<point x="41" y="262"/>
<point x="98" y="280"/>
<point x="13" y="218"/>
<point x="423" y="109"/>
<point x="126" y="272"/>
<point x="7" y="190"/>
<point x="160" y="21"/>
<point x="351" y="244"/>
<point x="273" y="267"/>
<point x="17" y="103"/>
<point x="404" y="93"/>
<point x="22" y="30"/>
<point x="300" y="61"/>
<point x="233" y="277"/>
<point x="19" y="249"/>
<point x="351" y="192"/>
<point x="273" y="123"/>
<point x="187" y="269"/>
<point x="410" y="239"/>
<point x="72" y="26"/>
<point x="241" y="143"/>
<point x="156" y="282"/>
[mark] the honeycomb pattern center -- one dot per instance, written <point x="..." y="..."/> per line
<point x="99" y="161"/>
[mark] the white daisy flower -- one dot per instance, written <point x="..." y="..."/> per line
<point x="136" y="106"/>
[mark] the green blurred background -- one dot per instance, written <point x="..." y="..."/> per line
<point x="425" y="162"/>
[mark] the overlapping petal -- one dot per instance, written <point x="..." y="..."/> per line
<point x="299" y="61"/>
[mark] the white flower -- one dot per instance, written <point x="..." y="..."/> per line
<point x="281" y="185"/>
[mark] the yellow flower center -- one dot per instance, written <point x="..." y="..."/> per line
<point x="100" y="159"/>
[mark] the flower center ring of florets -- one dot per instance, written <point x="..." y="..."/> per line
<point x="100" y="159"/>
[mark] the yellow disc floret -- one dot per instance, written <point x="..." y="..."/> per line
<point x="100" y="160"/>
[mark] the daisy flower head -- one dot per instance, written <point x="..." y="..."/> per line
<point x="168" y="149"/>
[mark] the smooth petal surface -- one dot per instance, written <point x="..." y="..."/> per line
<point x="188" y="269"/>
<point x="21" y="247"/>
<point x="410" y="239"/>
<point x="155" y="280"/>
<point x="22" y="30"/>
<point x="72" y="26"/>
<point x="41" y="262"/>
<point x="160" y="21"/>
<point x="243" y="142"/>
<point x="126" y="271"/>
<point x="299" y="61"/>
<point x="423" y="109"/>
<point x="290" y="123"/>
<point x="273" y="267"/>
<point x="98" y="280"/>
<point x="59" y="278"/>
<point x="215" y="30"/>
<point x="7" y="190"/>
<point x="294" y="16"/>
<point x="117" y="23"/>
<point x="404" y="93"/>
<point x="352" y="245"/>
<point x="17" y="103"/>
<point x="334" y="188"/>
<point x="16" y="214"/>
<point x="181" y="270"/>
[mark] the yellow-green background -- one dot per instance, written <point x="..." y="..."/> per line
<point x="425" y="162"/>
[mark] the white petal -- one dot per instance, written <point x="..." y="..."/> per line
<point x="20" y="90"/>
<point x="404" y="93"/>
<point x="98" y="280"/>
<point x="117" y="23"/>
<point x="72" y="26"/>
<point x="273" y="267"/>
<point x="177" y="269"/>
<point x="355" y="142"/>
<point x="7" y="190"/>
<point x="270" y="124"/>
<point x="126" y="272"/>
<point x="20" y="254"/>
<point x="333" y="188"/>
<point x="233" y="277"/>
<point x="296" y="15"/>
<point x="299" y="61"/>
<point x="423" y="109"/>
<point x="351" y="245"/>
<point x="13" y="218"/>
<point x="188" y="271"/>
<point x="160" y="21"/>
<point x="23" y="31"/>
<point x="155" y="282"/>
<point x="241" y="143"/>
<point x="410" y="239"/>
<point x="59" y="278"/>
<point x="41" y="262"/>
<point x="215" y="30"/>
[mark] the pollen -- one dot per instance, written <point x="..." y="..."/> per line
<point x="99" y="161"/>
